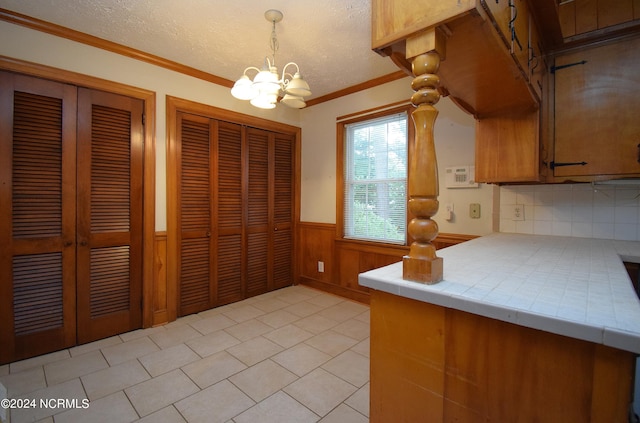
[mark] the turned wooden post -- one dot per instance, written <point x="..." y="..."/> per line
<point x="422" y="264"/>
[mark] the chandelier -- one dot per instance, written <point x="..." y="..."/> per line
<point x="267" y="86"/>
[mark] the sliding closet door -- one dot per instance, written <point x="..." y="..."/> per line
<point x="229" y="259"/>
<point x="195" y="217"/>
<point x="109" y="229"/>
<point x="283" y="210"/>
<point x="37" y="216"/>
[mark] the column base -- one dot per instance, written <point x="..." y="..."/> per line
<point x="428" y="271"/>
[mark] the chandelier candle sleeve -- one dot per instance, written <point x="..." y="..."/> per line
<point x="267" y="85"/>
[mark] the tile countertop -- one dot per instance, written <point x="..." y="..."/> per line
<point x="576" y="287"/>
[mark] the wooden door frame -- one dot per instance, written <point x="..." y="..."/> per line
<point x="174" y="106"/>
<point x="149" y="167"/>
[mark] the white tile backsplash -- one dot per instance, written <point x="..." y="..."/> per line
<point x="577" y="210"/>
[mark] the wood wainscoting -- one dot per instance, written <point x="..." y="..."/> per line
<point x="344" y="259"/>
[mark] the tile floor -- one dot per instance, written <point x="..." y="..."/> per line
<point x="292" y="355"/>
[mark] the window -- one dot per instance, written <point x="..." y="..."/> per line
<point x="375" y="161"/>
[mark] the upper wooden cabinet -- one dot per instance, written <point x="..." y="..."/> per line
<point x="597" y="101"/>
<point x="483" y="71"/>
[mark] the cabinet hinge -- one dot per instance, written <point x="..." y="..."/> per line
<point x="568" y="65"/>
<point x="144" y="119"/>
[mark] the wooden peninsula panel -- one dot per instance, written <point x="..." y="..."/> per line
<point x="435" y="364"/>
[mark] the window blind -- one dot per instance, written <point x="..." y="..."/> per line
<point x="375" y="175"/>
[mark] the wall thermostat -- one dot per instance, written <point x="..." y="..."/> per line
<point x="460" y="177"/>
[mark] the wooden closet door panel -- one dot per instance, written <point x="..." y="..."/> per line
<point x="109" y="226"/>
<point x="258" y="210"/>
<point x="195" y="215"/>
<point x="228" y="199"/>
<point x="37" y="216"/>
<point x="283" y="207"/>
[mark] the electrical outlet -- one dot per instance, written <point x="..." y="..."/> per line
<point x="321" y="266"/>
<point x="518" y="212"/>
<point x="474" y="210"/>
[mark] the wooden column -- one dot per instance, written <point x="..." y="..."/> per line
<point x="422" y="265"/>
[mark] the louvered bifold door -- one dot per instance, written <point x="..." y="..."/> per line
<point x="194" y="240"/>
<point x="228" y="200"/>
<point x="283" y="207"/>
<point x="109" y="227"/>
<point x="258" y="212"/>
<point x="37" y="216"/>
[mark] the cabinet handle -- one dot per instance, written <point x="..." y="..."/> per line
<point x="83" y="243"/>
<point x="68" y="243"/>
<point x="208" y="234"/>
<point x="638" y="153"/>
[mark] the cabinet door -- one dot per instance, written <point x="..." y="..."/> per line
<point x="194" y="243"/>
<point x="597" y="104"/>
<point x="37" y="216"/>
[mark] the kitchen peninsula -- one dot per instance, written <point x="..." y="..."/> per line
<point x="522" y="328"/>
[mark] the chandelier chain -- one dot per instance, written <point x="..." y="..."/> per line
<point x="273" y="42"/>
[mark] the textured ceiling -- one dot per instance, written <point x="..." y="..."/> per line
<point x="328" y="39"/>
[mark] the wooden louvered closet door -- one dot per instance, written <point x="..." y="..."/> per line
<point x="195" y="214"/>
<point x="283" y="206"/>
<point x="235" y="207"/>
<point x="37" y="216"/>
<point x="109" y="229"/>
<point x="70" y="215"/>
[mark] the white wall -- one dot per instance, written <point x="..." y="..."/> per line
<point x="454" y="137"/>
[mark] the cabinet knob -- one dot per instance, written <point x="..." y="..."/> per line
<point x="208" y="234"/>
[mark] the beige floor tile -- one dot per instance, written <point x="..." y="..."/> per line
<point x="212" y="323"/>
<point x="316" y="323"/>
<point x="344" y="414"/>
<point x="350" y="366"/>
<point x="114" y="408"/>
<point x="140" y="333"/>
<point x="248" y="329"/>
<point x="166" y="415"/>
<point x="263" y="379"/>
<point x="293" y="296"/>
<point x="213" y="369"/>
<point x="326" y="300"/>
<point x="129" y="350"/>
<point x="278" y="408"/>
<point x="69" y="390"/>
<point x="93" y="346"/>
<point x="254" y="350"/>
<point x="105" y="382"/>
<point x="359" y="401"/>
<point x="244" y="313"/>
<point x="74" y="367"/>
<point x="301" y="359"/>
<point x="40" y="360"/>
<point x="164" y="361"/>
<point x="212" y="343"/>
<point x="174" y="336"/>
<point x="363" y="348"/>
<point x="218" y="403"/>
<point x="269" y="305"/>
<point x="184" y="320"/>
<point x="303" y="309"/>
<point x="332" y="343"/>
<point x="344" y="310"/>
<point x="21" y="383"/>
<point x="320" y="391"/>
<point x="288" y="336"/>
<point x="364" y="317"/>
<point x="278" y="318"/>
<point x="354" y="329"/>
<point x="160" y="392"/>
<point x="4" y="370"/>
